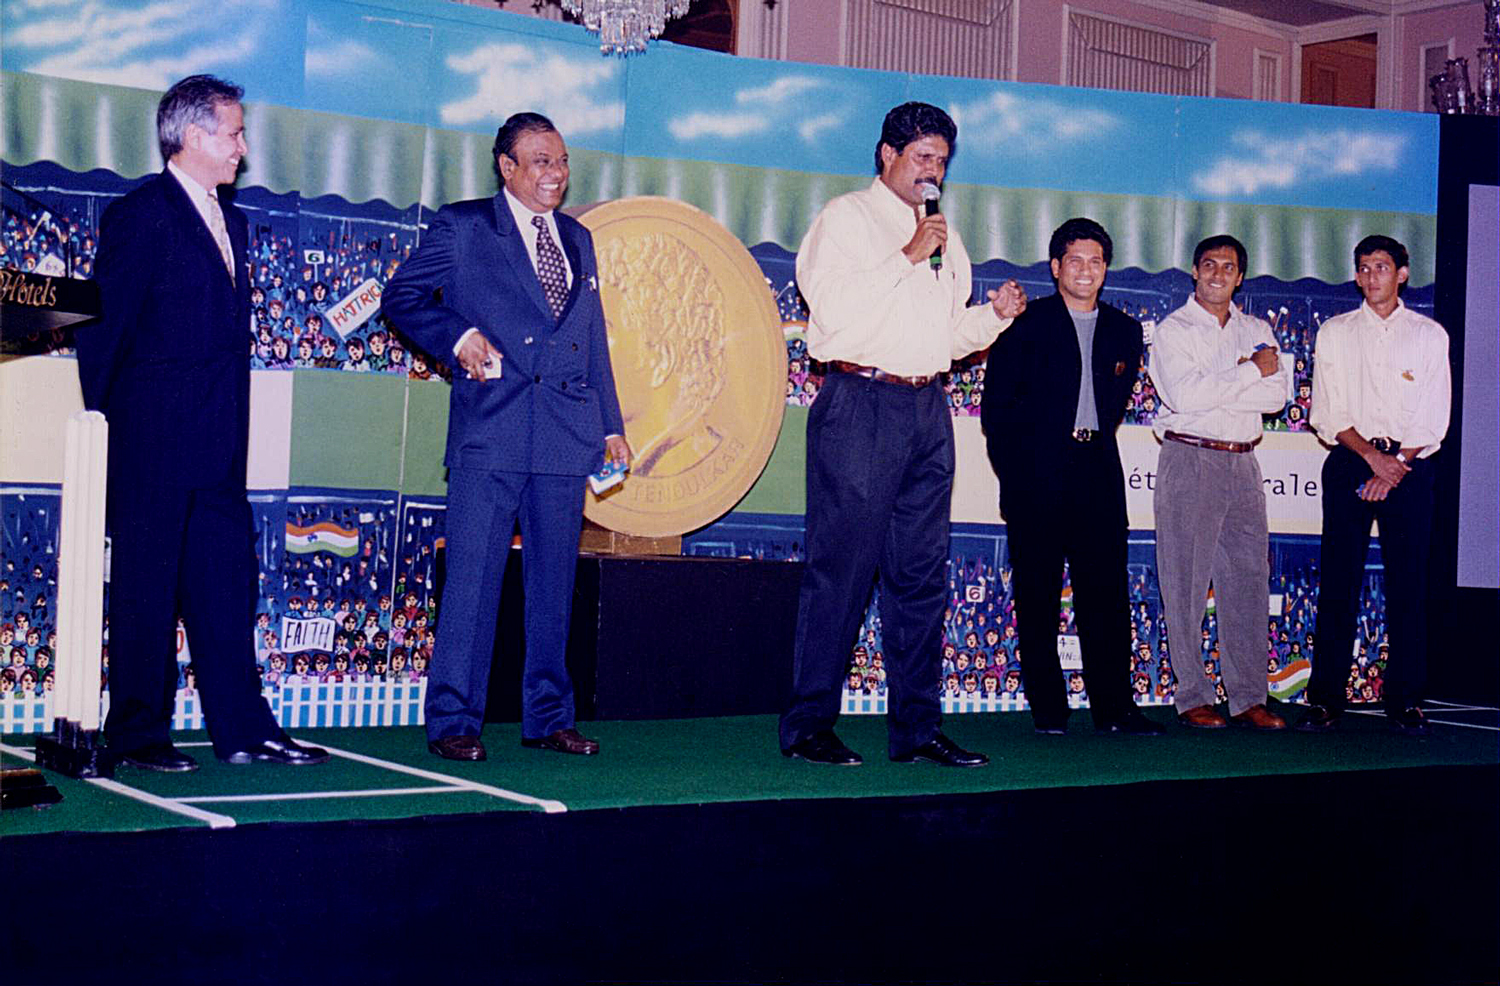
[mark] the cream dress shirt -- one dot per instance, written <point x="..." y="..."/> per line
<point x="1204" y="389"/>
<point x="1385" y="378"/>
<point x="871" y="305"/>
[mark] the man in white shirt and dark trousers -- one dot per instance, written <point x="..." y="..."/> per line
<point x="1381" y="393"/>
<point x="1216" y="371"/>
<point x="888" y="287"/>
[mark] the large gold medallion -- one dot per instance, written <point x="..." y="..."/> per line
<point x="699" y="362"/>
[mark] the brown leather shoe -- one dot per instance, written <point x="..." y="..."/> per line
<point x="1203" y="717"/>
<point x="567" y="740"/>
<point x="1259" y="717"/>
<point x="458" y="748"/>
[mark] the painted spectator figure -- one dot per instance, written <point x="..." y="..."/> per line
<point x="168" y="367"/>
<point x="1381" y="394"/>
<point x="1217" y="370"/>
<point x="887" y="323"/>
<point x="534" y="410"/>
<point x="1050" y="416"/>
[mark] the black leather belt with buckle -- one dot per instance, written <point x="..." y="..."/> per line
<point x="1084" y="434"/>
<point x="1387" y="445"/>
<point x="1217" y="444"/>
<point x="877" y="374"/>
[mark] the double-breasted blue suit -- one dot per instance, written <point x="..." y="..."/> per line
<point x="517" y="445"/>
<point x="169" y="366"/>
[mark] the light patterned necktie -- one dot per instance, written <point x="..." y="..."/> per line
<point x="221" y="233"/>
<point x="549" y="268"/>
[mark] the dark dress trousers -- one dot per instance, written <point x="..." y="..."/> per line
<point x="1062" y="499"/>
<point x="169" y="367"/>
<point x="519" y="445"/>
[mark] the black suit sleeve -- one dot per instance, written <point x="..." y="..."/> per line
<point x="1006" y="382"/>
<point x="127" y="248"/>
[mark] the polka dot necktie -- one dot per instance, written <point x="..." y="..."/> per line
<point x="549" y="268"/>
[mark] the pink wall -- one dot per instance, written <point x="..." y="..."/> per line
<point x="1042" y="37"/>
<point x="1463" y="22"/>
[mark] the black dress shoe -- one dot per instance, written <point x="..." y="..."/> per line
<point x="282" y="750"/>
<point x="945" y="753"/>
<point x="567" y="740"/>
<point x="1318" y="719"/>
<point x="1132" y="723"/>
<point x="1048" y="727"/>
<point x="458" y="748"/>
<point x="1410" y="721"/>
<point x="824" y="747"/>
<point x="163" y="757"/>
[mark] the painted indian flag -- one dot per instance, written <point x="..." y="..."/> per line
<point x="325" y="536"/>
<point x="1290" y="680"/>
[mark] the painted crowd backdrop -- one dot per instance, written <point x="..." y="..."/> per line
<point x="392" y="115"/>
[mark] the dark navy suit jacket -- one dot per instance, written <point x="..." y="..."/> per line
<point x="169" y="363"/>
<point x="1031" y="399"/>
<point x="555" y="400"/>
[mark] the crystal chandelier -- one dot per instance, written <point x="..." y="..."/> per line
<point x="624" y="26"/>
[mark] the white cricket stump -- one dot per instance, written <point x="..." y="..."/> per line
<point x="73" y="747"/>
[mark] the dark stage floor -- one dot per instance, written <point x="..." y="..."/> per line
<point x="692" y="851"/>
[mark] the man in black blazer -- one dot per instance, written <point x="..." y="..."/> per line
<point x="532" y="412"/>
<point x="168" y="365"/>
<point x="1050" y="431"/>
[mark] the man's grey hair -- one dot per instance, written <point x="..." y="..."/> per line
<point x="194" y="100"/>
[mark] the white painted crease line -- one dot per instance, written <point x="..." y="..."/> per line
<point x="1430" y="720"/>
<point x="547" y="805"/>
<point x="385" y="792"/>
<point x="212" y="819"/>
<point x="1465" y="725"/>
<point x="1461" y="707"/>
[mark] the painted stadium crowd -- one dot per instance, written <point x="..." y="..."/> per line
<point x="897" y="341"/>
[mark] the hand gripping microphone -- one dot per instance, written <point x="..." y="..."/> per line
<point x="930" y="195"/>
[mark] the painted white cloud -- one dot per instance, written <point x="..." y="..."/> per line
<point x="760" y="102"/>
<point x="729" y="125"/>
<point x="1029" y="124"/>
<point x="777" y="92"/>
<point x="148" y="46"/>
<point x="1265" y="161"/>
<point x="337" y="58"/>
<point x="509" y="78"/>
<point x="815" y="126"/>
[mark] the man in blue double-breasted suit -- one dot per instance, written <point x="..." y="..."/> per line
<point x="533" y="411"/>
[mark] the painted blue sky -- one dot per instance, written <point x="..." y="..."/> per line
<point x="467" y="68"/>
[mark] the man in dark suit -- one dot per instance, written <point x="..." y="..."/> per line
<point x="1050" y="429"/>
<point x="168" y="366"/>
<point x="533" y="411"/>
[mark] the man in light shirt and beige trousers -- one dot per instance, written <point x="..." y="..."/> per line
<point x="1217" y="371"/>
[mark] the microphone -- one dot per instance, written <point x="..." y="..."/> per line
<point x="930" y="195"/>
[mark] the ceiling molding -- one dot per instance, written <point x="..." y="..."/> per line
<point x="1345" y="28"/>
<point x="1222" y="15"/>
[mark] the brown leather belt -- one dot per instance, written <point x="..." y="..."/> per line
<point x="875" y="373"/>
<point x="1212" y="443"/>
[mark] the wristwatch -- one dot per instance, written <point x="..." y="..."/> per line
<point x="1401" y="458"/>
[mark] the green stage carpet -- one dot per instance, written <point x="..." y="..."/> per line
<point x="693" y="761"/>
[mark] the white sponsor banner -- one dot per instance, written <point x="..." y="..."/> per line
<point x="1290" y="462"/>
<point x="354" y="309"/>
<point x="300" y="635"/>
<point x="1069" y="652"/>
